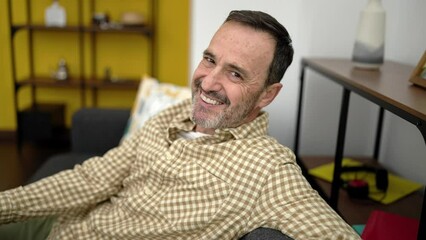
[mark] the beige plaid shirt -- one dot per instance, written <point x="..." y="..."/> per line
<point x="159" y="186"/>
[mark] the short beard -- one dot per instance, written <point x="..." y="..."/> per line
<point x="230" y="117"/>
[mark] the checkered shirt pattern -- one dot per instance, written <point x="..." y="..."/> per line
<point x="156" y="185"/>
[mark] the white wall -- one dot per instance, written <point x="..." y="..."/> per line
<point x="327" y="28"/>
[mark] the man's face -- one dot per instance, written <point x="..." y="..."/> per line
<point x="228" y="84"/>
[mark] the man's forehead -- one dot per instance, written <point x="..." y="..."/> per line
<point x="242" y="46"/>
<point x="244" y="36"/>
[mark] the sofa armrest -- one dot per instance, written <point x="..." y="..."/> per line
<point x="96" y="130"/>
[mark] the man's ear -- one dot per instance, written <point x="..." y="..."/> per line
<point x="269" y="94"/>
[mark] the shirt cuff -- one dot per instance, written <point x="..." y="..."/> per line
<point x="5" y="207"/>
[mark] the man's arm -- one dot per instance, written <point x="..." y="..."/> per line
<point x="289" y="203"/>
<point x="94" y="181"/>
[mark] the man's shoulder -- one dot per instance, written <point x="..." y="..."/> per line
<point x="269" y="148"/>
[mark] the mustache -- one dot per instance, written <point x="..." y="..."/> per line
<point x="212" y="94"/>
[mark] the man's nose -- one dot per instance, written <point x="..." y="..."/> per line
<point x="212" y="81"/>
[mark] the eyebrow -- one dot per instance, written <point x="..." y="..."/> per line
<point x="235" y="67"/>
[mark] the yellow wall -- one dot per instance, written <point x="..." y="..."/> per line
<point x="125" y="54"/>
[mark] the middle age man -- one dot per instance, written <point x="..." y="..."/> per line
<point x="203" y="169"/>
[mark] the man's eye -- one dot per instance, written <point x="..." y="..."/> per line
<point x="209" y="59"/>
<point x="236" y="75"/>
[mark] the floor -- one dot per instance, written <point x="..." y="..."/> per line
<point x="16" y="166"/>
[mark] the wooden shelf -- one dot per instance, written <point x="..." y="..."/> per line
<point x="125" y="84"/>
<point x="357" y="211"/>
<point x="94" y="84"/>
<point x="48" y="82"/>
<point x="144" y="30"/>
<point x="40" y="27"/>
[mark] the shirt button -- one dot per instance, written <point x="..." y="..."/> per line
<point x="169" y="156"/>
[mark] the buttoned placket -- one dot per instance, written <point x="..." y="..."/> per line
<point x="166" y="169"/>
<point x="174" y="158"/>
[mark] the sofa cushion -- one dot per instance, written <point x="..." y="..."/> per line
<point x="151" y="98"/>
<point x="96" y="130"/>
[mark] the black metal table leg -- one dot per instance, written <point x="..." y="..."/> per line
<point x="299" y="110"/>
<point x="335" y="186"/>
<point x="421" y="234"/>
<point x="378" y="134"/>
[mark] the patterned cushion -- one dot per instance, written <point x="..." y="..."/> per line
<point x="151" y="98"/>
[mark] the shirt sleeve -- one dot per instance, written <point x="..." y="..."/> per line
<point x="289" y="203"/>
<point x="94" y="181"/>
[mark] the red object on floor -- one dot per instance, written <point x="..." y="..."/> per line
<point x="388" y="226"/>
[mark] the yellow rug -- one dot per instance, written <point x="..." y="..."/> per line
<point x="398" y="187"/>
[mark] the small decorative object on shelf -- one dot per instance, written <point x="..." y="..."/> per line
<point x="102" y="21"/>
<point x="109" y="77"/>
<point x="132" y="19"/>
<point x="107" y="73"/>
<point x="62" y="71"/>
<point x="369" y="46"/>
<point x="55" y="15"/>
<point x="418" y="76"/>
<point x="100" y="18"/>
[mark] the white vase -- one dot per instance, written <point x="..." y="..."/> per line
<point x="369" y="45"/>
<point x="55" y="15"/>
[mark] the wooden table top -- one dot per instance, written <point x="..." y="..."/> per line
<point x="389" y="84"/>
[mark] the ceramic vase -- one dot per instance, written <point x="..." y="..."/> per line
<point x="369" y="45"/>
<point x="55" y="15"/>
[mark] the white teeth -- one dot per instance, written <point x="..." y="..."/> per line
<point x="208" y="100"/>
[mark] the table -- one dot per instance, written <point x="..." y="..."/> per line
<point x="388" y="87"/>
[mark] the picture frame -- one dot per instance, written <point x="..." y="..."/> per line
<point x="418" y="76"/>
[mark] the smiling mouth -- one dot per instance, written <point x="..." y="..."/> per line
<point x="209" y="100"/>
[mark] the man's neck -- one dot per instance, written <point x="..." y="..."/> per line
<point x="200" y="129"/>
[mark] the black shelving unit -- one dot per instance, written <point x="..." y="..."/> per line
<point x="79" y="82"/>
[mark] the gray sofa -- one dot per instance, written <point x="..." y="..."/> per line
<point x="94" y="131"/>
